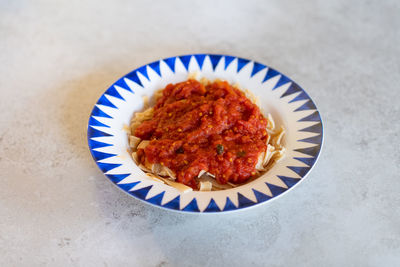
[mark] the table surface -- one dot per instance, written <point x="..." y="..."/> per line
<point x="57" y="208"/>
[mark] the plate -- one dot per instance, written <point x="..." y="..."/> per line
<point x="288" y="103"/>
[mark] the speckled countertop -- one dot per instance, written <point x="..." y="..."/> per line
<point x="57" y="57"/>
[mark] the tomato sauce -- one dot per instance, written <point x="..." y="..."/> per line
<point x="215" y="128"/>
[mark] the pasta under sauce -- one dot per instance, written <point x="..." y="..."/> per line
<point x="212" y="127"/>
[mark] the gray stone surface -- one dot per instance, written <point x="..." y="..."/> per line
<point x="57" y="57"/>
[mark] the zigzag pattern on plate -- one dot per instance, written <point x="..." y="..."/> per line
<point x="102" y="135"/>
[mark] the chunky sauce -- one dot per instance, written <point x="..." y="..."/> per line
<point x="215" y="128"/>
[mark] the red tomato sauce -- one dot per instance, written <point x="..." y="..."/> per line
<point x="215" y="128"/>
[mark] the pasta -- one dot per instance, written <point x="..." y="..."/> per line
<point x="206" y="181"/>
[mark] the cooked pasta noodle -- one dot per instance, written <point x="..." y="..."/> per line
<point x="157" y="172"/>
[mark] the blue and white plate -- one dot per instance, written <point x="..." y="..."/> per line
<point x="288" y="103"/>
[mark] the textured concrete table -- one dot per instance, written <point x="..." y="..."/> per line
<point x="57" y="209"/>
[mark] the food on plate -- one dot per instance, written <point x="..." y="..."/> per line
<point x="203" y="135"/>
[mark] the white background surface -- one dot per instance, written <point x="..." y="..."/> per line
<point x="57" y="209"/>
